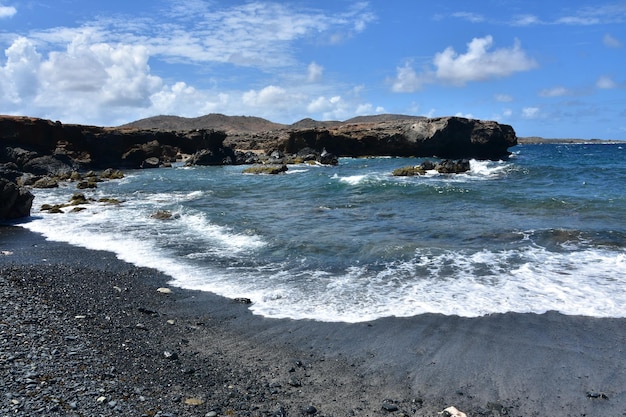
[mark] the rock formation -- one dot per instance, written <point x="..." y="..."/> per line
<point x="45" y="148"/>
<point x="15" y="202"/>
<point x="444" y="137"/>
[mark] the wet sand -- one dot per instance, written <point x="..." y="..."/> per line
<point x="197" y="354"/>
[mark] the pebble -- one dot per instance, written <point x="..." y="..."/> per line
<point x="389" y="406"/>
<point x="164" y="290"/>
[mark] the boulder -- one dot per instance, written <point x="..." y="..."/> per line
<point x="452" y="167"/>
<point x="446" y="166"/>
<point x="15" y="202"/>
<point x="218" y="156"/>
<point x="152" y="162"/>
<point x="270" y="169"/>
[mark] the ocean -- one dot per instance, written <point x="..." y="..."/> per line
<point x="543" y="230"/>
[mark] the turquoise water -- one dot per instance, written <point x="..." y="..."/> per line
<point x="544" y="230"/>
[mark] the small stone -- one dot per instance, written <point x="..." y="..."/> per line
<point x="171" y="322"/>
<point x="164" y="290"/>
<point x="211" y="414"/>
<point x="389" y="406"/>
<point x="80" y="317"/>
<point x="242" y="300"/>
<point x="170" y="355"/>
<point x="294" y="382"/>
<point x="101" y="399"/>
<point x="194" y="401"/>
<point x="310" y="410"/>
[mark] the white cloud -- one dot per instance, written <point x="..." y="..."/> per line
<point x="99" y="73"/>
<point x="479" y="64"/>
<point x="84" y="81"/>
<point x="526" y="20"/>
<point x="611" y="42"/>
<point x="530" y="112"/>
<point x="19" y="80"/>
<point x="7" y="11"/>
<point x="612" y="13"/>
<point x="555" y="92"/>
<point x="503" y="98"/>
<point x="314" y="72"/>
<point x="338" y="108"/>
<point x="469" y="16"/>
<point x="408" y="81"/>
<point x="606" y="83"/>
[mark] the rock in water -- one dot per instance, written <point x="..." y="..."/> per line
<point x="15" y="202"/>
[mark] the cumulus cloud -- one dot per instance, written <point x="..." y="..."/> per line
<point x="19" y="81"/>
<point x="611" y="42"/>
<point x="407" y="80"/>
<point x="85" y="79"/>
<point x="99" y="72"/>
<point x="339" y="108"/>
<point x="7" y="11"/>
<point x="314" y="72"/>
<point x="479" y="63"/>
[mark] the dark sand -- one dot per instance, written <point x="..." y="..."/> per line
<point x="86" y="334"/>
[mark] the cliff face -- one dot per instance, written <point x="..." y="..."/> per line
<point x="445" y="137"/>
<point x="35" y="145"/>
<point x="23" y="140"/>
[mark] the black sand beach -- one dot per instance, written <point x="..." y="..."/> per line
<point x="84" y="334"/>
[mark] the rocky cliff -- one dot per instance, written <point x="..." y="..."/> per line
<point x="445" y="137"/>
<point x="41" y="147"/>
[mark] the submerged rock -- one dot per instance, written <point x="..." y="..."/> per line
<point x="444" y="167"/>
<point x="266" y="169"/>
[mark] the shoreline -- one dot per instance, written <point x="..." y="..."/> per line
<point x="228" y="360"/>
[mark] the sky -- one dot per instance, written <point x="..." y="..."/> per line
<point x="555" y="69"/>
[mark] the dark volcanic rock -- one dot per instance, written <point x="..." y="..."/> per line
<point x="45" y="147"/>
<point x="15" y="202"/>
<point x="444" y="137"/>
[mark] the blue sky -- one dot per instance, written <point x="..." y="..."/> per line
<point x="549" y="68"/>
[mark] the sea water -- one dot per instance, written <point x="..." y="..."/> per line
<point x="543" y="230"/>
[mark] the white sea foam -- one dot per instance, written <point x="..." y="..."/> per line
<point x="465" y="284"/>
<point x="579" y="279"/>
<point x="353" y="179"/>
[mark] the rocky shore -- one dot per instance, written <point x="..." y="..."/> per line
<point x="84" y="334"/>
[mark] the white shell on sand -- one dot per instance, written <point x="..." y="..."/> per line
<point x="164" y="290"/>
<point x="453" y="412"/>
